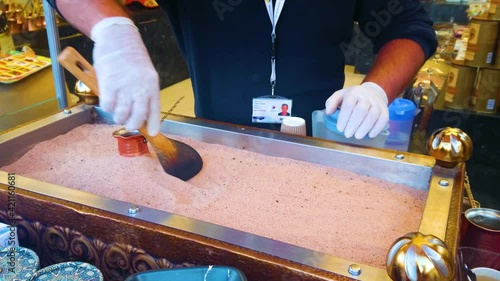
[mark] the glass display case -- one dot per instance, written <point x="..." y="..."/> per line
<point x="28" y="95"/>
<point x="27" y="86"/>
<point x="463" y="78"/>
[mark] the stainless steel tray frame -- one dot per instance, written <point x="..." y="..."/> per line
<point x="440" y="217"/>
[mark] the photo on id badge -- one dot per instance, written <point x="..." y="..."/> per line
<point x="271" y="109"/>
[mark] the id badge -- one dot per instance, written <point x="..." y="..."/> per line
<point x="270" y="109"/>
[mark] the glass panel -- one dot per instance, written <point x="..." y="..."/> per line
<point x="27" y="89"/>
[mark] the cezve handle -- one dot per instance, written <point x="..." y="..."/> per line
<point x="79" y="67"/>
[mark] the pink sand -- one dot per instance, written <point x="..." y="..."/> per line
<point x="321" y="208"/>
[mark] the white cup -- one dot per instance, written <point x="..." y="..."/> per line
<point x="486" y="274"/>
<point x="294" y="125"/>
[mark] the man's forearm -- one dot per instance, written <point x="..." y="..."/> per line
<point x="83" y="15"/>
<point x="395" y="66"/>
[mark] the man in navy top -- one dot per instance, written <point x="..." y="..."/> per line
<point x="227" y="47"/>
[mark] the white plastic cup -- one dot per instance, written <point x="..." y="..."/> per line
<point x="294" y="125"/>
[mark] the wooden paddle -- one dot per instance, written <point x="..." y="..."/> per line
<point x="177" y="158"/>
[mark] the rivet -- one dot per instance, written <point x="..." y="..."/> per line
<point x="443" y="183"/>
<point x="400" y="156"/>
<point x="242" y="129"/>
<point x="354" y="269"/>
<point x="67" y="111"/>
<point x="133" y="210"/>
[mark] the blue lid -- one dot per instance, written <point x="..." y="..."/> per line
<point x="331" y="123"/>
<point x="402" y="110"/>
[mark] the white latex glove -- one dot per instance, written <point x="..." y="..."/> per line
<point x="364" y="110"/>
<point x="128" y="82"/>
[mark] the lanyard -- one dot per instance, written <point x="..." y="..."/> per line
<point x="274" y="15"/>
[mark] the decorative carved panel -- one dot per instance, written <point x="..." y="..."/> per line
<point x="56" y="244"/>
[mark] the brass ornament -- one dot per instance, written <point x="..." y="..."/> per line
<point x="449" y="146"/>
<point x="416" y="257"/>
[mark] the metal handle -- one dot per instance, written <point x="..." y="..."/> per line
<point x="55" y="49"/>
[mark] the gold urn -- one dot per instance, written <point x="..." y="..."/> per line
<point x="449" y="146"/>
<point x="416" y="257"/>
<point x="85" y="94"/>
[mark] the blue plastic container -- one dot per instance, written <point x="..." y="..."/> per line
<point x="331" y="133"/>
<point x="198" y="273"/>
<point x="401" y="116"/>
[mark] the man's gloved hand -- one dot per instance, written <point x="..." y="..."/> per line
<point x="128" y="82"/>
<point x="364" y="110"/>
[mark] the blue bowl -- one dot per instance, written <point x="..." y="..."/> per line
<point x="18" y="263"/>
<point x="74" y="271"/>
<point x="198" y="273"/>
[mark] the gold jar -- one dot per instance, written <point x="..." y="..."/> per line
<point x="497" y="56"/>
<point x="486" y="96"/>
<point x="494" y="11"/>
<point x="460" y="86"/>
<point x="482" y="42"/>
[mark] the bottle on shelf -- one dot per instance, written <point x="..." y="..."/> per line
<point x="24" y="15"/>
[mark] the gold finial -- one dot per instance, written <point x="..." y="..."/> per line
<point x="416" y="257"/>
<point x="449" y="146"/>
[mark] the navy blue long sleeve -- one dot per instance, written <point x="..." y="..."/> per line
<point x="383" y="21"/>
<point x="227" y="46"/>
